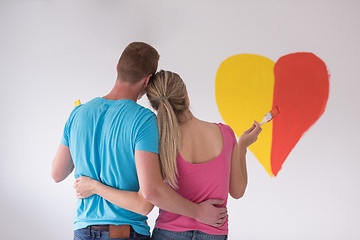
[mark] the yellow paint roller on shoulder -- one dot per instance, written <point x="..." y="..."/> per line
<point x="77" y="103"/>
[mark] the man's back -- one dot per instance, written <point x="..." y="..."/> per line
<point x="102" y="136"/>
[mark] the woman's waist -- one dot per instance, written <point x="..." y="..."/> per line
<point x="175" y="222"/>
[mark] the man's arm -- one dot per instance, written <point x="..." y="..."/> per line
<point x="62" y="164"/>
<point x="163" y="196"/>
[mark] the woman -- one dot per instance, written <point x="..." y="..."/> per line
<point x="200" y="160"/>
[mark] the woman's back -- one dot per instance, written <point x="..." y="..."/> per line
<point x="201" y="141"/>
<point x="203" y="165"/>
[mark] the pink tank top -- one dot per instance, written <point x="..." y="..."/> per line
<point x="200" y="182"/>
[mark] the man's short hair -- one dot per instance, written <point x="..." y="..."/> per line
<point x="137" y="61"/>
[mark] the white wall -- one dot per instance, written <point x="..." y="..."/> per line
<point x="53" y="52"/>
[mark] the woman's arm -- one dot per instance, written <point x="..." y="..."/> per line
<point x="132" y="201"/>
<point x="238" y="173"/>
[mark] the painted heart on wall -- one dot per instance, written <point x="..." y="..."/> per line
<point x="248" y="86"/>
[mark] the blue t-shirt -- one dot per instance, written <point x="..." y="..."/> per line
<point x="102" y="136"/>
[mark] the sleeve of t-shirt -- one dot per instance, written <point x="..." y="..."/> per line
<point x="147" y="138"/>
<point x="65" y="137"/>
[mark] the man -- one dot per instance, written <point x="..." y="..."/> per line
<point x="115" y="141"/>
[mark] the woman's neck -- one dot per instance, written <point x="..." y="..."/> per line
<point x="185" y="117"/>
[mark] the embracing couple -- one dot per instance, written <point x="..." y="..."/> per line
<point x="127" y="160"/>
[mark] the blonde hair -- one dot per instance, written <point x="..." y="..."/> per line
<point x="167" y="94"/>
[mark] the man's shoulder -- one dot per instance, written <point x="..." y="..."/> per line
<point x="131" y="107"/>
<point x="143" y="111"/>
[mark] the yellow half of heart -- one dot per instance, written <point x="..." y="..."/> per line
<point x="244" y="89"/>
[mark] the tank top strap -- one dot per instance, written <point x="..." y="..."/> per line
<point x="228" y="135"/>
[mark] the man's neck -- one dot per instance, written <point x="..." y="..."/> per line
<point x="123" y="90"/>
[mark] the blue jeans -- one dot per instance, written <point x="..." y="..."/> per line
<point x="161" y="234"/>
<point x="91" y="234"/>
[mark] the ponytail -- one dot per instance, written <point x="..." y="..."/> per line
<point x="169" y="141"/>
<point x="167" y="95"/>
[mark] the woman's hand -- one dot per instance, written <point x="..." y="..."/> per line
<point x="85" y="187"/>
<point x="250" y="136"/>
